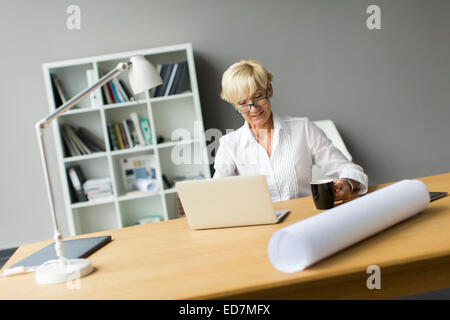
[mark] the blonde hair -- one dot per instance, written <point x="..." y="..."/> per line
<point x="242" y="79"/>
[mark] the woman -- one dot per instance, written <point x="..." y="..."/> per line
<point x="284" y="149"/>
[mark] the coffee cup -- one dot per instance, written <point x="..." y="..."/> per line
<point x="323" y="193"/>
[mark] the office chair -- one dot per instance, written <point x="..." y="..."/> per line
<point x="333" y="134"/>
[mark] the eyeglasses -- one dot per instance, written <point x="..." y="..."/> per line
<point x="257" y="103"/>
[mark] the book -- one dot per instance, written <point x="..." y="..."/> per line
<point x="111" y="93"/>
<point x="121" y="92"/>
<point x="76" y="140"/>
<point x="145" y="126"/>
<point x="127" y="134"/>
<point x="90" y="139"/>
<point x="166" y="70"/>
<point x="124" y="136"/>
<point x="57" y="98"/>
<point x="106" y="96"/>
<point x="181" y="79"/>
<point x="76" y="178"/>
<point x="115" y="92"/>
<point x="137" y="125"/>
<point x="113" y="140"/>
<point x="166" y="78"/>
<point x="70" y="146"/>
<point x="119" y="136"/>
<point x="170" y="81"/>
<point x="138" y="167"/>
<point x="94" y="97"/>
<point x="162" y="70"/>
<point x="127" y="91"/>
<point x="59" y="88"/>
<point x="133" y="132"/>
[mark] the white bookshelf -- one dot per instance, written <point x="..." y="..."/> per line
<point x="165" y="114"/>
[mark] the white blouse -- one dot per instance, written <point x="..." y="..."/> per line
<point x="297" y="144"/>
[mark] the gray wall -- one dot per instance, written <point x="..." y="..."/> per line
<point x="386" y="90"/>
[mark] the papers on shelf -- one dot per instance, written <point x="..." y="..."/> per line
<point x="304" y="243"/>
<point x="97" y="188"/>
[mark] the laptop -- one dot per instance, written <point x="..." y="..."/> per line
<point x="228" y="202"/>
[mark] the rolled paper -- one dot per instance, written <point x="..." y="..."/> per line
<point x="147" y="185"/>
<point x="306" y="242"/>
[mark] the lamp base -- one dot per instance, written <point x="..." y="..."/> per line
<point x="54" y="272"/>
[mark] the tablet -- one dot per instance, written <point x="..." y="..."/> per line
<point x="437" y="195"/>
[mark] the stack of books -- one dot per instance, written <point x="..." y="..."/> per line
<point x="130" y="133"/>
<point x="116" y="91"/>
<point x="80" y="141"/>
<point x="174" y="77"/>
<point x="97" y="188"/>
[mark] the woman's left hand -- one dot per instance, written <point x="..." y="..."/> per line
<point x="342" y="190"/>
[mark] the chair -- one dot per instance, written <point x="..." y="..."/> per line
<point x="333" y="134"/>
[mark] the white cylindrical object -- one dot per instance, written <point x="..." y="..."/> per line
<point x="147" y="185"/>
<point x="304" y="243"/>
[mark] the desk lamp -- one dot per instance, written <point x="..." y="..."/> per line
<point x="143" y="76"/>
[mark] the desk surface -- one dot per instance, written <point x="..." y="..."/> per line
<point x="167" y="260"/>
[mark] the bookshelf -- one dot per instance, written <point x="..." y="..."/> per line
<point x="165" y="114"/>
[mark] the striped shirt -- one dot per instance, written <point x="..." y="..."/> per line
<point x="297" y="144"/>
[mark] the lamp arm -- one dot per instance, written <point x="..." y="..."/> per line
<point x="123" y="66"/>
<point x="42" y="124"/>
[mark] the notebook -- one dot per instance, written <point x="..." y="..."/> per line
<point x="75" y="249"/>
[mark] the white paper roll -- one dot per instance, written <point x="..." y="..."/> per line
<point x="302" y="244"/>
<point x="147" y="185"/>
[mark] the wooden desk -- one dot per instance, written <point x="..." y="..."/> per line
<point x="167" y="260"/>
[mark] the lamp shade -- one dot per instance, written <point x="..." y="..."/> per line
<point x="143" y="75"/>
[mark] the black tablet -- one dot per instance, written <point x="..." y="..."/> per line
<point x="437" y="195"/>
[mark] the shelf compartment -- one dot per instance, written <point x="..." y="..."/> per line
<point x="133" y="210"/>
<point x="124" y="180"/>
<point x="73" y="80"/>
<point x="176" y="117"/>
<point x="93" y="168"/>
<point x="95" y="218"/>
<point x="106" y="66"/>
<point x="168" y="58"/>
<point x="183" y="160"/>
<point x="119" y="114"/>
<point x="89" y="121"/>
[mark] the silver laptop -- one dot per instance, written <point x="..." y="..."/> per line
<point x="228" y="202"/>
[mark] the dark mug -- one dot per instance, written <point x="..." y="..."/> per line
<point x="323" y="193"/>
